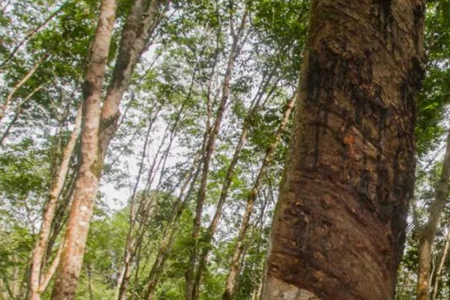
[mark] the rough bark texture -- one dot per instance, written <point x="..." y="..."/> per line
<point x="90" y="164"/>
<point x="428" y="232"/>
<point x="339" y="226"/>
<point x="100" y="125"/>
<point x="41" y="247"/>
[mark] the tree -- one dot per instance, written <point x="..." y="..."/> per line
<point x="90" y="165"/>
<point x="339" y="225"/>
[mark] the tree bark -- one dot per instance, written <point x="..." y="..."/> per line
<point x="235" y="264"/>
<point x="38" y="259"/>
<point x="136" y="34"/>
<point x="90" y="167"/>
<point x="339" y="225"/>
<point x="428" y="232"/>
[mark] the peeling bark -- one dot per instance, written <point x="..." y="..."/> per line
<point x="339" y="226"/>
<point x="100" y="125"/>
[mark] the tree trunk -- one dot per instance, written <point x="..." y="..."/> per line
<point x="18" y="85"/>
<point x="441" y="266"/>
<point x="171" y="229"/>
<point x="190" y="293"/>
<point x="428" y="232"/>
<point x="38" y="257"/>
<point x="31" y="33"/>
<point x="228" y="179"/>
<point x="90" y="163"/>
<point x="339" y="225"/>
<point x="136" y="34"/>
<point x="235" y="264"/>
<point x="100" y="125"/>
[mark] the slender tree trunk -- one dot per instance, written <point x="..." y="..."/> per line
<point x="171" y="229"/>
<point x="441" y="267"/>
<point x="90" y="168"/>
<point x="251" y="198"/>
<point x="129" y="245"/>
<point x="32" y="33"/>
<point x="190" y="293"/>
<point x="19" y="110"/>
<point x="18" y="85"/>
<point x="339" y="226"/>
<point x="38" y="257"/>
<point x="227" y="183"/>
<point x="428" y="231"/>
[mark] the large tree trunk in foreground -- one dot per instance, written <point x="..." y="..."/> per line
<point x="428" y="232"/>
<point x="90" y="164"/>
<point x="339" y="226"/>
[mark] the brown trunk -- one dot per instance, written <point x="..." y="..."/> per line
<point x="190" y="293"/>
<point x="38" y="257"/>
<point x="428" y="232"/>
<point x="99" y="127"/>
<point x="90" y="168"/>
<point x="240" y="246"/>
<point x="339" y="225"/>
<point x="137" y="30"/>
